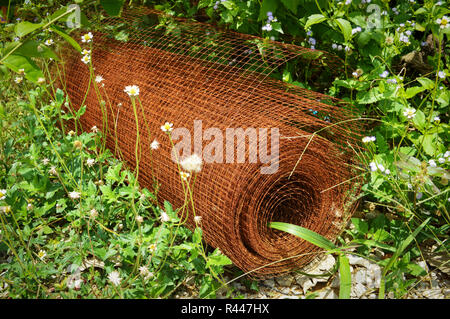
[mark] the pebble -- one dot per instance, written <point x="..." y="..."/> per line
<point x="433" y="294"/>
<point x="285" y="281"/>
<point x="356" y="260"/>
<point x="358" y="290"/>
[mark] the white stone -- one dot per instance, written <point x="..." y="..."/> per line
<point x="433" y="294"/>
<point x="358" y="290"/>
<point x="327" y="264"/>
<point x="308" y="285"/>
<point x="285" y="281"/>
<point x="356" y="260"/>
<point x="269" y="282"/>
<point x="327" y="294"/>
<point x="360" y="276"/>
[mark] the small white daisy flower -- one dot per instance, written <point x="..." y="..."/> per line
<point x="139" y="219"/>
<point x="86" y="38"/>
<point x="192" y="163"/>
<point x="164" y="217"/>
<point x="167" y="127"/>
<point x="184" y="176"/>
<point x="42" y="254"/>
<point x="18" y="79"/>
<point x="86" y="59"/>
<point x="432" y="163"/>
<point x="99" y="79"/>
<point x="132" y="90"/>
<point x="2" y="194"/>
<point x="45" y="161"/>
<point x="74" y="195"/>
<point x="41" y="80"/>
<point x="443" y="22"/>
<point x="86" y="52"/>
<point x="373" y="166"/>
<point x="48" y="42"/>
<point x="409" y="113"/>
<point x="368" y="139"/>
<point x="53" y="171"/>
<point x="154" y="145"/>
<point x="437" y="119"/>
<point x="114" y="277"/>
<point x="21" y="71"/>
<point x="94" y="129"/>
<point x="198" y="219"/>
<point x="90" y="162"/>
<point x="152" y="247"/>
<point x="93" y="213"/>
<point x="144" y="272"/>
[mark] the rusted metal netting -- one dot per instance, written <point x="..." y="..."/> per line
<point x="188" y="71"/>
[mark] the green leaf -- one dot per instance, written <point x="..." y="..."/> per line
<point x="66" y="37"/>
<point x="112" y="7"/>
<point x="23" y="28"/>
<point x="346" y="28"/>
<point x="291" y="5"/>
<point x="314" y="19"/>
<point x="419" y="120"/>
<point x="426" y="83"/>
<point x="345" y="277"/>
<point x="17" y="62"/>
<point x="412" y="91"/>
<point x="305" y="234"/>
<point x="218" y="260"/>
<point x="35" y="49"/>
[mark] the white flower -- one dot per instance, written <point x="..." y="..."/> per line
<point x="132" y="90"/>
<point x="29" y="206"/>
<point x="192" y="163"/>
<point x="184" y="176"/>
<point x="18" y="79"/>
<point x="167" y="127"/>
<point x="90" y="162"/>
<point x="53" y="171"/>
<point x="49" y="42"/>
<point x="154" y="145"/>
<point x="368" y="139"/>
<point x="152" y="247"/>
<point x="41" y="80"/>
<point x="381" y="167"/>
<point x="93" y="213"/>
<point x="356" y="30"/>
<point x="432" y="163"/>
<point x="99" y="79"/>
<point x="42" y="254"/>
<point x="86" y="59"/>
<point x="437" y="119"/>
<point x="391" y="81"/>
<point x="334" y="46"/>
<point x="447" y="154"/>
<point x="387" y="171"/>
<point x="114" y="277"/>
<point x="347" y="2"/>
<point x="94" y="129"/>
<point x="441" y="74"/>
<point x="45" y="161"/>
<point x="21" y="71"/>
<point x="419" y="195"/>
<point x="197" y="219"/>
<point x="143" y="271"/>
<point x="86" y="38"/>
<point x="86" y="52"/>
<point x="2" y="194"/>
<point x="409" y="113"/>
<point x="441" y="160"/>
<point x="403" y="38"/>
<point x="443" y="22"/>
<point x="384" y="74"/>
<point x="373" y="166"/>
<point x="139" y="219"/>
<point x="267" y="27"/>
<point x="74" y="195"/>
<point x="164" y="217"/>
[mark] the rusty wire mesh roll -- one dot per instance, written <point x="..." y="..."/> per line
<point x="189" y="71"/>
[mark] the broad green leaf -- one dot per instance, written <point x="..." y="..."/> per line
<point x="66" y="37"/>
<point x="112" y="7"/>
<point x="420" y="121"/>
<point x="426" y="83"/>
<point x="291" y="5"/>
<point x="17" y="62"/>
<point x="218" y="260"/>
<point x="345" y="277"/>
<point x="305" y="234"/>
<point x="412" y="91"/>
<point x="314" y="19"/>
<point x="35" y="49"/>
<point x="346" y="28"/>
<point x="23" y="28"/>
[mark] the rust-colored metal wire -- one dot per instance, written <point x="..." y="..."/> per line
<point x="190" y="71"/>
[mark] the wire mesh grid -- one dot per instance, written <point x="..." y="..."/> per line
<point x="190" y="73"/>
